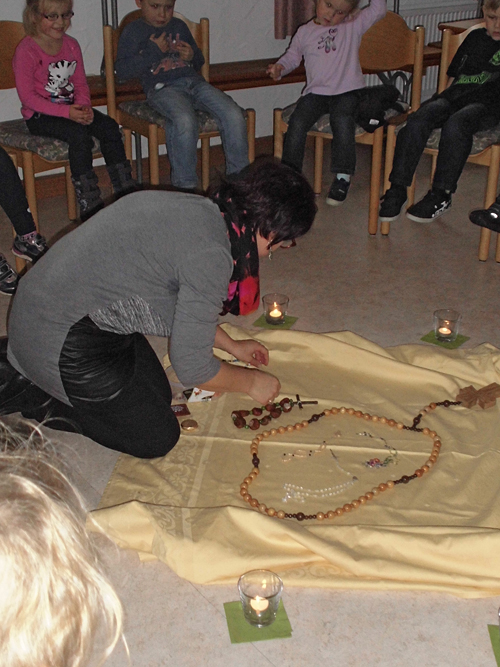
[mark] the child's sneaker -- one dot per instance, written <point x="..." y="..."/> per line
<point x="9" y="279"/>
<point x="487" y="217"/>
<point x="30" y="246"/>
<point x="338" y="192"/>
<point x="432" y="206"/>
<point x="392" y="203"/>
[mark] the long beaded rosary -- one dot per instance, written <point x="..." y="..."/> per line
<point x="366" y="497"/>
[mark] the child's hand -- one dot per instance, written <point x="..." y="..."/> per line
<point x="80" y="114"/>
<point x="274" y="71"/>
<point x="161" y="42"/>
<point x="90" y="114"/>
<point x="184" y="49"/>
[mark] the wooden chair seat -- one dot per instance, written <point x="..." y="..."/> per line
<point x="14" y="134"/>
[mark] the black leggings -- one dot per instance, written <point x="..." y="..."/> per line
<point x="79" y="139"/>
<point x="120" y="396"/>
<point x="12" y="197"/>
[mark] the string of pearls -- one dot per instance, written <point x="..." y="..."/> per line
<point x="365" y="497"/>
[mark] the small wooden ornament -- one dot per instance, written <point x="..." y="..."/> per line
<point x="486" y="397"/>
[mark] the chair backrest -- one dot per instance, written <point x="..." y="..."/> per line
<point x="200" y="32"/>
<point x="389" y="46"/>
<point x="11" y="33"/>
<point x="449" y="45"/>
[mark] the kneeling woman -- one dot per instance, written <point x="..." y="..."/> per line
<point x="159" y="263"/>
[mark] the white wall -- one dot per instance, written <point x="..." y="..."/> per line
<point x="239" y="30"/>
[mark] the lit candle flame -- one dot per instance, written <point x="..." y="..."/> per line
<point x="259" y="604"/>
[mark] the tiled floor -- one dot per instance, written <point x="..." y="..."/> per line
<point x="384" y="289"/>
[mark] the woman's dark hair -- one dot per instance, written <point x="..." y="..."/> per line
<point x="274" y="198"/>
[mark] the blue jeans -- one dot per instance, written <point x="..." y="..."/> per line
<point x="342" y="109"/>
<point x="457" y="131"/>
<point x="178" y="102"/>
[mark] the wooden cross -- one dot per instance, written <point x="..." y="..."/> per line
<point x="485" y="397"/>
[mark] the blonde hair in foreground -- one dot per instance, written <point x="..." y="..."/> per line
<point x="56" y="603"/>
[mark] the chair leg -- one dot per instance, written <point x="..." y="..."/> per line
<point x="29" y="184"/>
<point x="484" y="244"/>
<point x="278" y="134"/>
<point x="128" y="144"/>
<point x="433" y="167"/>
<point x="375" y="178"/>
<point x="318" y="165"/>
<point x="489" y="198"/>
<point x="205" y="162"/>
<point x="154" y="162"/>
<point x="251" y="134"/>
<point x="390" y="146"/>
<point x="70" y="195"/>
<point x="411" y="192"/>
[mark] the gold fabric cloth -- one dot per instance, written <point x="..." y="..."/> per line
<point x="438" y="533"/>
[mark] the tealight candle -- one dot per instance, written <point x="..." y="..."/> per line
<point x="259" y="604"/>
<point x="260" y="594"/>
<point x="446" y="324"/>
<point x="275" y="306"/>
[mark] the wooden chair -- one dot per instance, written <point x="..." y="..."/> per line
<point x="388" y="46"/>
<point x="34" y="155"/>
<point x="139" y="117"/>
<point x="485" y="148"/>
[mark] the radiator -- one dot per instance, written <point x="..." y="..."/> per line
<point x="430" y="20"/>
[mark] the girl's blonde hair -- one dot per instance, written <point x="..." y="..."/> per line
<point x="33" y="11"/>
<point x="56" y="601"/>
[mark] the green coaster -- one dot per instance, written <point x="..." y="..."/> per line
<point x="431" y="338"/>
<point x="495" y="641"/>
<point x="261" y="322"/>
<point x="240" y="631"/>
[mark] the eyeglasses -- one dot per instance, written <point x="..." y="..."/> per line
<point x="67" y="16"/>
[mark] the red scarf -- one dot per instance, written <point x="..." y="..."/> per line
<point x="243" y="293"/>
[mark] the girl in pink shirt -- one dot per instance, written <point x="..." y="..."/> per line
<point x="55" y="97"/>
<point x="329" y="44"/>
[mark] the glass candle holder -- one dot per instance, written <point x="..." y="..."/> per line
<point x="260" y="593"/>
<point x="446" y="324"/>
<point x="275" y="307"/>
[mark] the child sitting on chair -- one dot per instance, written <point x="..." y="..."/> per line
<point x="470" y="104"/>
<point x="160" y="50"/>
<point x="55" y="97"/>
<point x="329" y="44"/>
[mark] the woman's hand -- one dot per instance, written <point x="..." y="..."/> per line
<point x="264" y="388"/>
<point x="251" y="352"/>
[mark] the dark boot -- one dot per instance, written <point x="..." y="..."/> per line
<point x="17" y="393"/>
<point x="488" y="217"/>
<point x="88" y="195"/>
<point x="9" y="279"/>
<point x="121" y="178"/>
